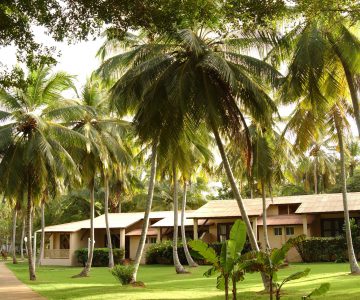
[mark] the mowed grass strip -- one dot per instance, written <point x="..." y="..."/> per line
<point x="162" y="283"/>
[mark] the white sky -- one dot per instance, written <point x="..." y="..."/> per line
<point x="76" y="59"/>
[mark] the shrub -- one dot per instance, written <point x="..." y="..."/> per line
<point x="321" y="249"/>
<point x="161" y="253"/>
<point x="123" y="273"/>
<point x="101" y="256"/>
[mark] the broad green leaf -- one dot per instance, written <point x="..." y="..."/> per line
<point x="220" y="282"/>
<point x="321" y="290"/>
<point x="210" y="272"/>
<point x="296" y="275"/>
<point x="238" y="234"/>
<point x="205" y="251"/>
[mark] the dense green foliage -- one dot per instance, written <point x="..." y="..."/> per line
<point x="123" y="273"/>
<point x="321" y="249"/>
<point x="101" y="256"/>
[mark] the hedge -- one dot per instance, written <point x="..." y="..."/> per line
<point x="101" y="256"/>
<point x="321" y="249"/>
<point x="161" y="253"/>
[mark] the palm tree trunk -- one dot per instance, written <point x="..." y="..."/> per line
<point x="22" y="239"/>
<point x="315" y="176"/>
<point x="264" y="217"/>
<point x="244" y="216"/>
<point x="354" y="267"/>
<point x="189" y="259"/>
<point x="87" y="268"/>
<point x="108" y="234"/>
<point x="14" y="237"/>
<point x="29" y="209"/>
<point x="178" y="266"/>
<point x="145" y="226"/>
<point x="235" y="190"/>
<point x="42" y="241"/>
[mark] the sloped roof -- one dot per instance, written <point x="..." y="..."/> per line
<point x="116" y="220"/>
<point x="169" y="221"/>
<point x="67" y="227"/>
<point x="227" y="209"/>
<point x="330" y="203"/>
<point x="285" y="220"/>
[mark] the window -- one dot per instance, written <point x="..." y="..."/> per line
<point x="277" y="231"/>
<point x="151" y="240"/>
<point x="224" y="231"/>
<point x="287" y="209"/>
<point x="289" y="230"/>
<point x="331" y="227"/>
<point x="64" y="241"/>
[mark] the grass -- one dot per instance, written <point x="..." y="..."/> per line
<point x="162" y="283"/>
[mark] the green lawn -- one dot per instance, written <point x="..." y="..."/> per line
<point x="162" y="283"/>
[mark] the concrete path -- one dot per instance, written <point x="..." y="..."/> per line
<point x="12" y="288"/>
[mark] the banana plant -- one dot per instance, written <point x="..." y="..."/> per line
<point x="227" y="262"/>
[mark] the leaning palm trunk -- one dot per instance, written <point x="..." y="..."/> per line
<point x="264" y="217"/>
<point x="87" y="268"/>
<point x="22" y="239"/>
<point x="14" y="238"/>
<point x="354" y="267"/>
<point x="145" y="226"/>
<point x="29" y="208"/>
<point x="244" y="216"/>
<point x="42" y="241"/>
<point x="108" y="234"/>
<point x="189" y="259"/>
<point x="178" y="266"/>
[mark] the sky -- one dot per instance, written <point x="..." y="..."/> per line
<point x="76" y="59"/>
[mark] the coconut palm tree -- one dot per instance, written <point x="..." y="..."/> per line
<point x="192" y="76"/>
<point x="34" y="148"/>
<point x="331" y="119"/>
<point x="313" y="48"/>
<point x="103" y="150"/>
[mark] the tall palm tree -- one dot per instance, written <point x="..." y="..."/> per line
<point x="307" y="120"/>
<point x="192" y="76"/>
<point x="103" y="150"/>
<point x="34" y="148"/>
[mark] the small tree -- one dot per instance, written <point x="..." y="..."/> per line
<point x="227" y="262"/>
<point x="269" y="263"/>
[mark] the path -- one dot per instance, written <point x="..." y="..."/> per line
<point x="12" y="288"/>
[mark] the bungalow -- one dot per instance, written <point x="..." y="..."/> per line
<point x="312" y="215"/>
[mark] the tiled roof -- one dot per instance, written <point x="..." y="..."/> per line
<point x="227" y="209"/>
<point x="324" y="203"/>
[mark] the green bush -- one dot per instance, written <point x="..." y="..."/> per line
<point x="101" y="256"/>
<point x="161" y="253"/>
<point x="321" y="249"/>
<point x="123" y="273"/>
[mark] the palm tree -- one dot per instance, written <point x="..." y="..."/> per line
<point x="208" y="82"/>
<point x="313" y="48"/>
<point x="307" y="121"/>
<point x="263" y="153"/>
<point x="34" y="147"/>
<point x="103" y="150"/>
